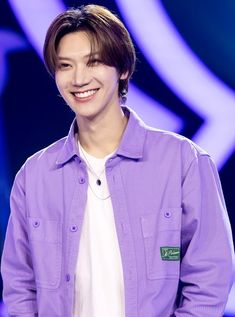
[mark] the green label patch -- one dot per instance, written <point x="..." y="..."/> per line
<point x="170" y="253"/>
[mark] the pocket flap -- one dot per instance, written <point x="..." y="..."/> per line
<point x="170" y="219"/>
<point x="44" y="230"/>
<point x="166" y="219"/>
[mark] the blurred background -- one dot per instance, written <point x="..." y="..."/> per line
<point x="184" y="82"/>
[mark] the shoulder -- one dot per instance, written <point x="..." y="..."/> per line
<point x="177" y="151"/>
<point x="48" y="154"/>
<point x="44" y="159"/>
<point x="164" y="146"/>
<point x="174" y="142"/>
<point x="157" y="138"/>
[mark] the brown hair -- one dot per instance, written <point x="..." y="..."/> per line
<point x="104" y="29"/>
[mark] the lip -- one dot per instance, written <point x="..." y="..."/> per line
<point x="86" y="95"/>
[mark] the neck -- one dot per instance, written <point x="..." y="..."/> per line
<point x="102" y="137"/>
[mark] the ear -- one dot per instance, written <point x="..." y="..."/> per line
<point x="124" y="76"/>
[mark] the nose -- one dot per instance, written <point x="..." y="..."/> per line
<point x="81" y="76"/>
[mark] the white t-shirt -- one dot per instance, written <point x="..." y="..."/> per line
<point x="99" y="285"/>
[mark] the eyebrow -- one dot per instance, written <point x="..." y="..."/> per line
<point x="85" y="56"/>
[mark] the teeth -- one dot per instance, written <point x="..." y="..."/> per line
<point x="85" y="93"/>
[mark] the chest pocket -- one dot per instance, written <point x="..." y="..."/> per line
<point x="46" y="249"/>
<point x="161" y="234"/>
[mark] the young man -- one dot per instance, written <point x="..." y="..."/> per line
<point x="117" y="219"/>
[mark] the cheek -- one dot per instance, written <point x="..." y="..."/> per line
<point x="107" y="74"/>
<point x="111" y="81"/>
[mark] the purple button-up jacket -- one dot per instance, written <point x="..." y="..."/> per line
<point x="172" y="226"/>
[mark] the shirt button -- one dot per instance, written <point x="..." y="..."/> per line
<point x="82" y="180"/>
<point x="167" y="214"/>
<point x="67" y="277"/>
<point x="36" y="223"/>
<point x="73" y="228"/>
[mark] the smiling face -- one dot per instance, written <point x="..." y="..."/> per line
<point x="87" y="85"/>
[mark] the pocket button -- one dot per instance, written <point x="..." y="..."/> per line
<point x="168" y="214"/>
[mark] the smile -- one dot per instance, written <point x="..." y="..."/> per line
<point x="85" y="94"/>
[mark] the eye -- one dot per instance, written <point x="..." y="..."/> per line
<point x="94" y="62"/>
<point x="63" y="66"/>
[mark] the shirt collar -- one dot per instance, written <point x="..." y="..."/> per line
<point x="70" y="148"/>
<point x="131" y="145"/>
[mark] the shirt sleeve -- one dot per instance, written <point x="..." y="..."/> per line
<point x="207" y="249"/>
<point x="19" y="291"/>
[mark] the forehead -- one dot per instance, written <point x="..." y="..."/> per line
<point x="78" y="42"/>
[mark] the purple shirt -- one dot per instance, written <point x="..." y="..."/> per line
<point x="172" y="226"/>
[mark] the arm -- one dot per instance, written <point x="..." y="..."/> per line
<point x="207" y="248"/>
<point x="19" y="291"/>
